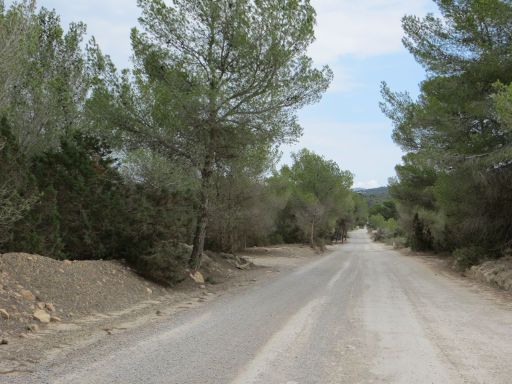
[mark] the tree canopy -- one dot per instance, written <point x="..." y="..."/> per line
<point x="212" y="80"/>
<point x="456" y="177"/>
<point x="180" y="149"/>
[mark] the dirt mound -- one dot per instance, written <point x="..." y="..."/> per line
<point x="218" y="267"/>
<point x="289" y="250"/>
<point x="36" y="289"/>
<point x="497" y="273"/>
<point x="281" y="255"/>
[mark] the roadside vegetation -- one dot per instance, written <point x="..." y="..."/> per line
<point x="154" y="163"/>
<point x="454" y="188"/>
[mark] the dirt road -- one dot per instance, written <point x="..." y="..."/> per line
<point x="362" y="314"/>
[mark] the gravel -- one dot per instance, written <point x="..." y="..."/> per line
<point x="364" y="313"/>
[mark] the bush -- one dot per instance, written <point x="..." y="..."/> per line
<point x="18" y="192"/>
<point x="421" y="236"/>
<point x="382" y="229"/>
<point x="398" y="242"/>
<point x="165" y="264"/>
<point x="465" y="258"/>
<point x="378" y="235"/>
<point x="320" y="243"/>
<point x="276" y="238"/>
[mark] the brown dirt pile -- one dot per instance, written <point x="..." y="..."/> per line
<point x="497" y="273"/>
<point x="36" y="290"/>
<point x="32" y="285"/>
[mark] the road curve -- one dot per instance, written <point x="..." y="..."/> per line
<point x="362" y="314"/>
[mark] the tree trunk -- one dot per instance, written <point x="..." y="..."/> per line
<point x="312" y="240"/>
<point x="202" y="220"/>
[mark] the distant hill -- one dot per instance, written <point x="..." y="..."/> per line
<point x="375" y="195"/>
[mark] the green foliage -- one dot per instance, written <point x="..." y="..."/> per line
<point x="243" y="208"/>
<point x="319" y="200"/>
<point x="421" y="236"/>
<point x="465" y="258"/>
<point x="98" y="164"/>
<point x="165" y="263"/>
<point x="224" y="78"/>
<point x="17" y="192"/>
<point x="45" y="80"/>
<point x="383" y="228"/>
<point x="387" y="210"/>
<point x="375" y="196"/>
<point x="453" y="189"/>
<point x="361" y="210"/>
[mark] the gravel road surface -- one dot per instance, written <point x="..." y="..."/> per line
<point x="361" y="314"/>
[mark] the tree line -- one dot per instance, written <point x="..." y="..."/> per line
<point x="454" y="187"/>
<point x="153" y="163"/>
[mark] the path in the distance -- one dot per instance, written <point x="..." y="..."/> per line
<point x="363" y="314"/>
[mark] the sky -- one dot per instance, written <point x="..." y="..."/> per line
<point x="360" y="40"/>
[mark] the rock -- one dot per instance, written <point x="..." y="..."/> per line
<point x="148" y="290"/>
<point x="42" y="316"/>
<point x="159" y="313"/>
<point x="40" y="305"/>
<point x="197" y="277"/>
<point x="33" y="328"/>
<point x="27" y="295"/>
<point x="55" y="319"/>
<point x="50" y="307"/>
<point x="4" y="314"/>
<point x="22" y="336"/>
<point x="67" y="262"/>
<point x="243" y="266"/>
<point x="202" y="286"/>
<point x="4" y="342"/>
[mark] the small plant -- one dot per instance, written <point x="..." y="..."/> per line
<point x="465" y="258"/>
<point x="166" y="264"/>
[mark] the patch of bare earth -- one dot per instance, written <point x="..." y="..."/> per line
<point x="49" y="307"/>
<point x="497" y="273"/>
<point x="494" y="276"/>
<point x="281" y="256"/>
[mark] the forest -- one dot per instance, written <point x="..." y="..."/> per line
<point x="181" y="152"/>
<point x="154" y="163"/>
<point x="453" y="191"/>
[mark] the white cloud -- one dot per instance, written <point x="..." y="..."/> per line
<point x="344" y="80"/>
<point x="344" y="27"/>
<point x="366" y="149"/>
<point x="368" y="184"/>
<point x="360" y="28"/>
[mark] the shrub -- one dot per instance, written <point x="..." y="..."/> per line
<point x="465" y="258"/>
<point x="18" y="192"/>
<point x="378" y="235"/>
<point x="165" y="264"/>
<point x="276" y="238"/>
<point x="320" y="243"/>
<point x="421" y="236"/>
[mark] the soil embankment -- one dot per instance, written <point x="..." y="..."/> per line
<point x="47" y="306"/>
<point x="497" y="273"/>
<point x="492" y="273"/>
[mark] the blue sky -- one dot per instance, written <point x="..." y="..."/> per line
<point x="360" y="40"/>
